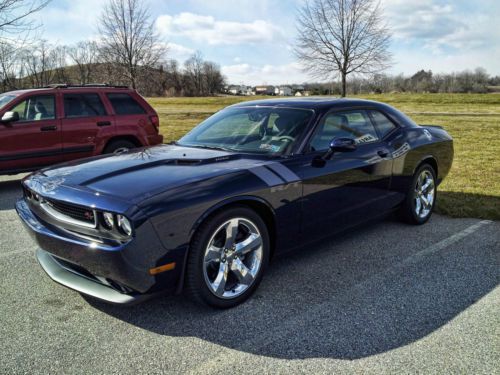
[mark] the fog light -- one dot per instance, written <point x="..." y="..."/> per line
<point x="109" y="220"/>
<point x="124" y="225"/>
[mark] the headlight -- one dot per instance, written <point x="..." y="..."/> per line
<point x="109" y="220"/>
<point x="124" y="225"/>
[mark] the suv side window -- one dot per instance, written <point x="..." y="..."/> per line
<point x="383" y="124"/>
<point x="36" y="108"/>
<point x="83" y="105"/>
<point x="352" y="124"/>
<point x="124" y="104"/>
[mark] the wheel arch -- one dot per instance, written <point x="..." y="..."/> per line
<point x="259" y="205"/>
<point x="126" y="137"/>
<point x="432" y="161"/>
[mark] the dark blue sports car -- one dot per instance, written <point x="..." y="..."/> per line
<point x="207" y="213"/>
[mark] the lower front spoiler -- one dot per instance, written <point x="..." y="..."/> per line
<point x="84" y="285"/>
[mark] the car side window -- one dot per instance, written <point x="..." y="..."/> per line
<point x="352" y="124"/>
<point x="36" y="108"/>
<point x="383" y="124"/>
<point x="83" y="105"/>
<point x="124" y="104"/>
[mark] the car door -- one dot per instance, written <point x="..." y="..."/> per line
<point x="86" y="124"/>
<point x="34" y="140"/>
<point x="351" y="187"/>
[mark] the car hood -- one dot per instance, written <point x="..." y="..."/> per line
<point x="136" y="175"/>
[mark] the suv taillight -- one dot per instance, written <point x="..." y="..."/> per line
<point x="156" y="122"/>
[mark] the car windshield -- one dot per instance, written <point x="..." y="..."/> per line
<point x="5" y="99"/>
<point x="262" y="130"/>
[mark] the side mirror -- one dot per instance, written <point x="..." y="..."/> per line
<point x="340" y="145"/>
<point x="10" y="117"/>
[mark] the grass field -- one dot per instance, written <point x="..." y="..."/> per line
<point x="472" y="188"/>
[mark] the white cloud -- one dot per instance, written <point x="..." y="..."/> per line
<point x="264" y="74"/>
<point x="438" y="26"/>
<point x="206" y="29"/>
<point x="179" y="52"/>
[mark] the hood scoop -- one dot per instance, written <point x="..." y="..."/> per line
<point x="184" y="162"/>
<point x="188" y="161"/>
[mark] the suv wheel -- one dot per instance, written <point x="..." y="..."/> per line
<point x="119" y="146"/>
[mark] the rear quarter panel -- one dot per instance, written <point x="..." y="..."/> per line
<point x="417" y="145"/>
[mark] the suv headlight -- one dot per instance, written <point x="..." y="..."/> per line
<point x="124" y="225"/>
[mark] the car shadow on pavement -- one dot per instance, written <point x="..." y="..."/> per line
<point x="10" y="191"/>
<point x="366" y="292"/>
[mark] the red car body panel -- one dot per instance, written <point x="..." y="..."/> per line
<point x="28" y="145"/>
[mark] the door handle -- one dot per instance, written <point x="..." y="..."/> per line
<point x="383" y="153"/>
<point x="103" y="123"/>
<point x="48" y="128"/>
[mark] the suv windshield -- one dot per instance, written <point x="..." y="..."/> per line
<point x="5" y="99"/>
<point x="261" y="130"/>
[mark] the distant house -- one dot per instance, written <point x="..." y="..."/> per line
<point x="285" y="91"/>
<point x="302" y="93"/>
<point x="238" y="90"/>
<point x="265" y="90"/>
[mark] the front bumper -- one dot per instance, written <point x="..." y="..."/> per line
<point x="70" y="278"/>
<point x="116" y="274"/>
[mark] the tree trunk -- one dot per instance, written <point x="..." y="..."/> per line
<point x="344" y="85"/>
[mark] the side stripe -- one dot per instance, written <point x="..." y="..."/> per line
<point x="282" y="171"/>
<point x="266" y="175"/>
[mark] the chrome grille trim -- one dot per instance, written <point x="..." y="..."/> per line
<point x="45" y="205"/>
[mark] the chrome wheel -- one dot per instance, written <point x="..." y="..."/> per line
<point x="121" y="150"/>
<point x="233" y="258"/>
<point x="424" y="194"/>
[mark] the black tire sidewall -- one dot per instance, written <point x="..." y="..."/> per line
<point x="196" y="285"/>
<point x="115" y="145"/>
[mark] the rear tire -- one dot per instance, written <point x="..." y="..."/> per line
<point x="118" y="146"/>
<point x="421" y="196"/>
<point x="223" y="270"/>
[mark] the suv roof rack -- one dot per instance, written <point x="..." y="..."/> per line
<point x="68" y="86"/>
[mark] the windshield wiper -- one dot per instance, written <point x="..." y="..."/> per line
<point x="205" y="147"/>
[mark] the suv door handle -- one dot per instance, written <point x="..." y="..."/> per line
<point x="48" y="128"/>
<point x="103" y="123"/>
<point x="383" y="153"/>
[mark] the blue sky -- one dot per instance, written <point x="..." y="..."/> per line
<point x="252" y="39"/>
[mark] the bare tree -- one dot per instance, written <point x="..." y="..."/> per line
<point x="39" y="64"/>
<point x="342" y="37"/>
<point x="85" y="55"/>
<point x="214" y="80"/>
<point x="128" y="37"/>
<point x="59" y="58"/>
<point x="193" y="75"/>
<point x="14" y="15"/>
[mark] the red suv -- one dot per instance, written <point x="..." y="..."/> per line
<point x="40" y="127"/>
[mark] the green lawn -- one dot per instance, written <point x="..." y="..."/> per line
<point x="472" y="188"/>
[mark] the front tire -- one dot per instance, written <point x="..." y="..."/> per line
<point x="227" y="258"/>
<point x="421" y="196"/>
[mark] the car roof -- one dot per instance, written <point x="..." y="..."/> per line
<point x="313" y="102"/>
<point x="83" y="88"/>
<point x="326" y="103"/>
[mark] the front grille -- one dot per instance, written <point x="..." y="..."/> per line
<point x="79" y="213"/>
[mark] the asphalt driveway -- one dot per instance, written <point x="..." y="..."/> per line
<point x="385" y="298"/>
